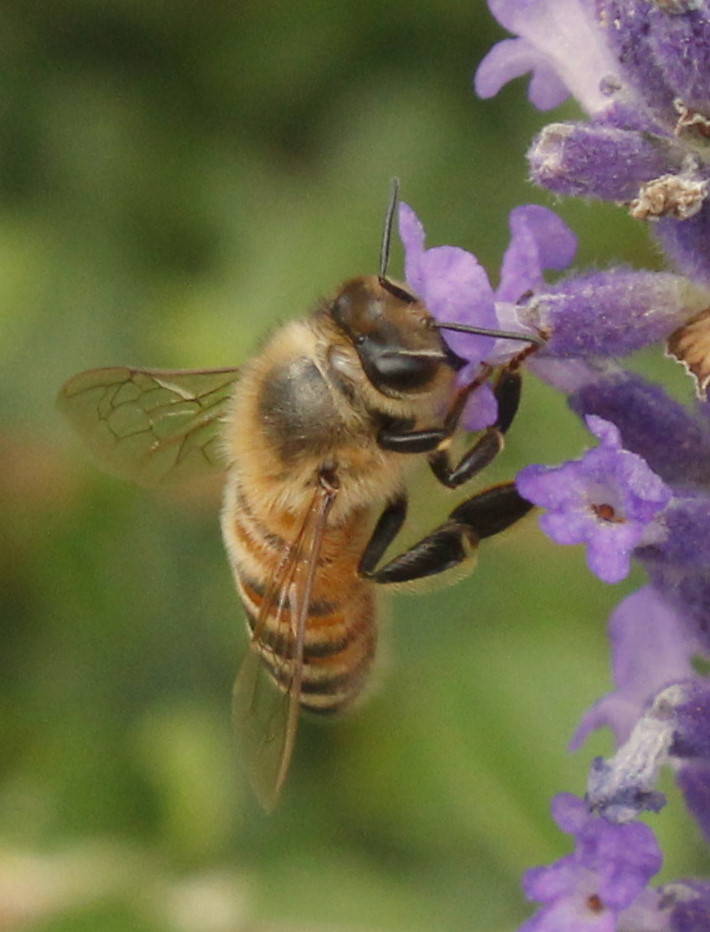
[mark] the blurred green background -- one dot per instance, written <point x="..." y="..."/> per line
<point x="176" y="178"/>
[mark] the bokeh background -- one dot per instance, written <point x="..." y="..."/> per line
<point x="175" y="179"/>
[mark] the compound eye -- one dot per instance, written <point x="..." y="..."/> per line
<point x="399" y="371"/>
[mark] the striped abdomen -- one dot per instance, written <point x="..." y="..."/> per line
<point x="340" y="631"/>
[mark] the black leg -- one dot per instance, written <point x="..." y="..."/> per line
<point x="400" y="438"/>
<point x="480" y="516"/>
<point x="487" y="447"/>
<point x="507" y="392"/>
<point x="387" y="528"/>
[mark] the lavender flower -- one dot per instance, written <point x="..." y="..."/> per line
<point x="673" y="729"/>
<point x="603" y="884"/>
<point x="642" y="493"/>
<point x="594" y="887"/>
<point x="687" y="906"/>
<point x="456" y="288"/>
<point x="639" y="69"/>
<point x="612" y="313"/>
<point x="674" y="441"/>
<point x="639" y="307"/>
<point x="693" y="778"/>
<point x="607" y="500"/>
<point x="651" y="648"/>
<point x="559" y="43"/>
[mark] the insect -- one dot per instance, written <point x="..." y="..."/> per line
<point x="690" y="345"/>
<point x="315" y="433"/>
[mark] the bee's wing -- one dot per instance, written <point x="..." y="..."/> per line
<point x="690" y="344"/>
<point x="266" y="716"/>
<point x="149" y="425"/>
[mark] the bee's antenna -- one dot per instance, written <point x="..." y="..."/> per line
<point x="461" y="328"/>
<point x="485" y="332"/>
<point x="387" y="232"/>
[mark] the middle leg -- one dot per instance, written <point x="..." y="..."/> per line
<point x="483" y="515"/>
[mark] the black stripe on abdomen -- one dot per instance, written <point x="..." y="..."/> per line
<point x="337" y="655"/>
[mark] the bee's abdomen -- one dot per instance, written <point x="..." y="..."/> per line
<point x="338" y="649"/>
<point x="338" y="658"/>
<point x="340" y="631"/>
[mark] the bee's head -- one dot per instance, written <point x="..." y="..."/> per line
<point x="397" y="342"/>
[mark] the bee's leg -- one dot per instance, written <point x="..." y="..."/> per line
<point x="387" y="528"/>
<point x="399" y="436"/>
<point x="487" y="513"/>
<point x="487" y="447"/>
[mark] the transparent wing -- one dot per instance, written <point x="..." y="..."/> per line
<point x="690" y="344"/>
<point x="266" y="715"/>
<point x="149" y="425"/>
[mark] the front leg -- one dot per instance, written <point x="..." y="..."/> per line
<point x="487" y="447"/>
<point x="399" y="437"/>
<point x="454" y="541"/>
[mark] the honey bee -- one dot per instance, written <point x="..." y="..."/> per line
<point x="315" y="433"/>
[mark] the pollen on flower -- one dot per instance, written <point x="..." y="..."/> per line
<point x="594" y="902"/>
<point x="690" y="120"/>
<point x="679" y="196"/>
<point x="607" y="513"/>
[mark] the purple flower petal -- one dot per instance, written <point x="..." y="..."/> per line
<point x="539" y="240"/>
<point x="687" y="243"/>
<point x="609" y="500"/>
<point x="640" y="69"/>
<point x="565" y="37"/>
<point x="605" y="875"/>
<point x="456" y="289"/>
<point x="651" y="648"/>
<point x="512" y="58"/>
<point x="570" y="813"/>
<point x="609" y="552"/>
<point x="694" y="780"/>
<point x="481" y="409"/>
<point x="674" y="442"/>
<point x="452" y="284"/>
<point x="570" y="527"/>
